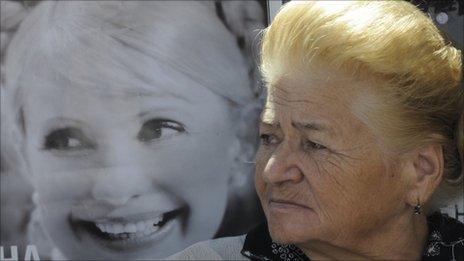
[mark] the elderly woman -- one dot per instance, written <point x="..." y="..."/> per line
<point x="363" y="122"/>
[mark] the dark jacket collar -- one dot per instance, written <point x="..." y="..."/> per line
<point x="259" y="246"/>
<point x="445" y="242"/>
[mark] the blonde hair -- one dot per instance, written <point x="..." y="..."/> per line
<point x="417" y="72"/>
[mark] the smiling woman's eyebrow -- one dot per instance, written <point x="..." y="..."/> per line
<point x="160" y="109"/>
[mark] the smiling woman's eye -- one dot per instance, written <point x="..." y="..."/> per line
<point x="159" y="128"/>
<point x="310" y="146"/>
<point x="268" y="139"/>
<point x="67" y="139"/>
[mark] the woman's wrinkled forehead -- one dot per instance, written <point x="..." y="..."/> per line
<point x="137" y="44"/>
<point x="318" y="90"/>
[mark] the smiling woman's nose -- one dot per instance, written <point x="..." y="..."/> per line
<point x="118" y="185"/>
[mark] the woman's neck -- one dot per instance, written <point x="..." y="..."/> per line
<point x="400" y="239"/>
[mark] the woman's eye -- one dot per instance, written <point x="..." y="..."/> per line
<point x="309" y="146"/>
<point x="67" y="139"/>
<point x="159" y="128"/>
<point x="268" y="139"/>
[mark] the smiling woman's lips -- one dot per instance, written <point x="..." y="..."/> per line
<point x="118" y="235"/>
<point x="112" y="227"/>
<point x="139" y="221"/>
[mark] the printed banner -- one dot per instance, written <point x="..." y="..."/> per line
<point x="128" y="127"/>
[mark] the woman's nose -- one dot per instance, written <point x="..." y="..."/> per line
<point x="121" y="177"/>
<point x="282" y="167"/>
<point x="117" y="185"/>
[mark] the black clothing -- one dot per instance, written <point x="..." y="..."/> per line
<point x="445" y="242"/>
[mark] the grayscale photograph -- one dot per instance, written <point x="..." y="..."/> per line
<point x="128" y="127"/>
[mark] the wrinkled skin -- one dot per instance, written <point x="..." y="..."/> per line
<point x="321" y="174"/>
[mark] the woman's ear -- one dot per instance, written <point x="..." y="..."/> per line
<point x="13" y="133"/>
<point x="427" y="165"/>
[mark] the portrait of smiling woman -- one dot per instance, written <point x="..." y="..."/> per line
<point x="135" y="120"/>
<point x="363" y="122"/>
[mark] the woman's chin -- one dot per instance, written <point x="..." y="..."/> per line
<point x="292" y="229"/>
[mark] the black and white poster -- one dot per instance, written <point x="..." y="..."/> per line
<point x="128" y="127"/>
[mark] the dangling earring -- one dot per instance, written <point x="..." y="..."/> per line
<point x="417" y="208"/>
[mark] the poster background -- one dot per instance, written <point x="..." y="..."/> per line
<point x="91" y="176"/>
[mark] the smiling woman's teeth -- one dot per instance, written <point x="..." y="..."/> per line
<point x="144" y="227"/>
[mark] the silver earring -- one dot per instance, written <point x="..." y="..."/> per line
<point x="417" y="208"/>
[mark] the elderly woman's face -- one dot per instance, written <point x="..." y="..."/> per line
<point x="320" y="173"/>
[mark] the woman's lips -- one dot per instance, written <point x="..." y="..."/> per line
<point x="136" y="228"/>
<point x="142" y="226"/>
<point x="123" y="235"/>
<point x="130" y="235"/>
<point x="139" y="221"/>
<point x="282" y="204"/>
